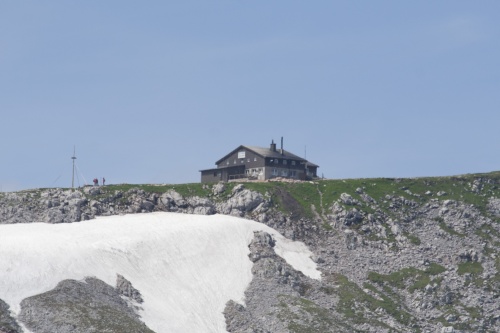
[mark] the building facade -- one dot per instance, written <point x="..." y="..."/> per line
<point x="257" y="163"/>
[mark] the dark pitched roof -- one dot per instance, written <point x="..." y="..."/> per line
<point x="266" y="152"/>
<point x="224" y="167"/>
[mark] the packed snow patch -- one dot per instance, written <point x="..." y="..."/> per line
<point x="185" y="266"/>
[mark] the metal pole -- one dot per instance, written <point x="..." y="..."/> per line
<point x="73" y="177"/>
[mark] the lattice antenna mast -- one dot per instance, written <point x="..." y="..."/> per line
<point x="73" y="177"/>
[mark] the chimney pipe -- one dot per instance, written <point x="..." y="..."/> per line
<point x="281" y="145"/>
<point x="273" y="146"/>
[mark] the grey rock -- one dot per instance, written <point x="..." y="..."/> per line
<point x="353" y="216"/>
<point x="469" y="256"/>
<point x="93" y="191"/>
<point x="201" y="206"/>
<point x="366" y="198"/>
<point x="494" y="206"/>
<point x="477" y="185"/>
<point x="173" y="201"/>
<point x="448" y="329"/>
<point x="238" y="188"/>
<point x="347" y="199"/>
<point x="238" y="320"/>
<point x="447" y="298"/>
<point x="125" y="288"/>
<point x="219" y="188"/>
<point x="7" y="323"/>
<point x="351" y="239"/>
<point x="280" y="298"/>
<point x="80" y="306"/>
<point x="242" y="201"/>
<point x="147" y="206"/>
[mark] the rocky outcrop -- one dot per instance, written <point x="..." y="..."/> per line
<point x="51" y="205"/>
<point x="494" y="207"/>
<point x="272" y="277"/>
<point x="64" y="206"/>
<point x="281" y="299"/>
<point x="7" y="323"/>
<point x="125" y="288"/>
<point x="81" y="306"/>
<point x="242" y="202"/>
<point x="407" y="255"/>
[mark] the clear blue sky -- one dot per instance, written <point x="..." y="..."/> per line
<point x="152" y="92"/>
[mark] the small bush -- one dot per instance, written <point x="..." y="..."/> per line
<point x="474" y="268"/>
<point x="435" y="269"/>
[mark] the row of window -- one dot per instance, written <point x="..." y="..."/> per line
<point x="285" y="162"/>
<point x="284" y="173"/>
<point x="276" y="161"/>
<point x="242" y="160"/>
<point x="259" y="171"/>
<point x="254" y="172"/>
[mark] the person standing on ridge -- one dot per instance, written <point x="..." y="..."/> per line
<point x="103" y="181"/>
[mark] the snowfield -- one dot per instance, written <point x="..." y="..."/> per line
<point x="185" y="266"/>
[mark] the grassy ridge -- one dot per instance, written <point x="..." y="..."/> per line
<point x="321" y="194"/>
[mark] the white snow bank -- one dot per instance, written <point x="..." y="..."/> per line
<point x="185" y="266"/>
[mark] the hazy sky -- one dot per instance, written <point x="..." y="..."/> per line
<point x="153" y="92"/>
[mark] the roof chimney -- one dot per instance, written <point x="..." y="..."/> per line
<point x="281" y="146"/>
<point x="273" y="146"/>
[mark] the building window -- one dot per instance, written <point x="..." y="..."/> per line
<point x="293" y="173"/>
<point x="275" y="172"/>
<point x="248" y="160"/>
<point x="276" y="161"/>
<point x="284" y="173"/>
<point x="241" y="154"/>
<point x="293" y="162"/>
<point x="234" y="162"/>
<point x="255" y="159"/>
<point x="284" y="162"/>
<point x="227" y="162"/>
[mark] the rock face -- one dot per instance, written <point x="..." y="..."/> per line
<point x="7" y="323"/>
<point x="64" y="206"/>
<point x="80" y="306"/>
<point x="125" y="288"/>
<point x="397" y="255"/>
<point x="52" y="206"/>
<point x="281" y="299"/>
